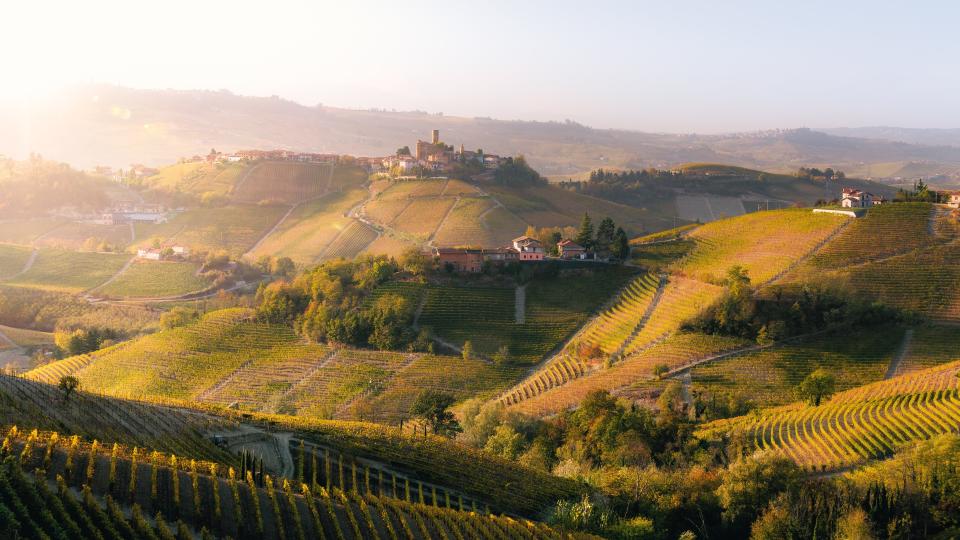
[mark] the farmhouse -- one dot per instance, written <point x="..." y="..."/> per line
<point x="152" y="254"/>
<point x="569" y="249"/>
<point x="529" y="249"/>
<point x="953" y="199"/>
<point x="460" y="259"/>
<point x="855" y="198"/>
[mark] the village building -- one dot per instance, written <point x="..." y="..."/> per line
<point x="953" y="199"/>
<point x="569" y="249"/>
<point x="855" y="198"/>
<point x="157" y="254"/>
<point x="529" y="249"/>
<point x="150" y="254"/>
<point x="460" y="259"/>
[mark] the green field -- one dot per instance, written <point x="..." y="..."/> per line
<point x="156" y="279"/>
<point x="12" y="259"/>
<point x="70" y="271"/>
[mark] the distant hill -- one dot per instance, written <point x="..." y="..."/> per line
<point x="926" y="136"/>
<point x="117" y="126"/>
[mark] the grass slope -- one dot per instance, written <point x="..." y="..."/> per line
<point x="70" y="271"/>
<point x="156" y="279"/>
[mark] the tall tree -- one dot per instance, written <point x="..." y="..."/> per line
<point x="431" y="406"/>
<point x="621" y="245"/>
<point x="605" y="234"/>
<point x="585" y="235"/>
<point x="818" y="385"/>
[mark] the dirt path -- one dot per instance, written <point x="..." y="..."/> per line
<point x="654" y="302"/>
<point x="244" y="179"/>
<point x="306" y="376"/>
<point x="272" y="230"/>
<point x="213" y="390"/>
<point x="5" y="339"/>
<point x="813" y="251"/>
<point x="433" y="235"/>
<point x="902" y="352"/>
<point x="520" y="304"/>
<point x="28" y="265"/>
<point x="114" y="277"/>
<point x="133" y="233"/>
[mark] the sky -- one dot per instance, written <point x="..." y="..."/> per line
<point x="678" y="66"/>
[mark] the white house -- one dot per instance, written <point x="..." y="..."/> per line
<point x="152" y="254"/>
<point x="954" y="200"/>
<point x="855" y="198"/>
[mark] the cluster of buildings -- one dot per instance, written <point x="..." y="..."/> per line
<point x="436" y="156"/>
<point x="124" y="213"/>
<point x="156" y="254"/>
<point x="522" y="249"/>
<point x="855" y="198"/>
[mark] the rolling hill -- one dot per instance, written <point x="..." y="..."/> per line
<point x="120" y="126"/>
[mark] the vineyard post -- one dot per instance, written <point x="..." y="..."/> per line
<point x="133" y="475"/>
<point x="313" y="470"/>
<point x="326" y="467"/>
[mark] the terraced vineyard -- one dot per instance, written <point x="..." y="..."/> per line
<point x="503" y="484"/>
<point x="464" y="225"/>
<point x="311" y="228"/>
<point x="862" y="423"/>
<point x="452" y="374"/>
<point x="644" y="316"/>
<point x="182" y="362"/>
<point x="156" y="279"/>
<point x="548" y="393"/>
<point x="214" y="498"/>
<point x="286" y="182"/>
<point x="615" y="326"/>
<point x="354" y="239"/>
<point x="28" y="402"/>
<point x="232" y="228"/>
<point x="681" y="299"/>
<point x="747" y="241"/>
<point x="915" y="281"/>
<point x="342" y="378"/>
<point x="70" y="271"/>
<point x="771" y="376"/>
<point x="422" y="216"/>
<point x="886" y="230"/>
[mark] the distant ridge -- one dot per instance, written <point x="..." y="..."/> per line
<point x="120" y="126"/>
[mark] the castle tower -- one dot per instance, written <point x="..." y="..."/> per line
<point x="436" y="136"/>
<point x="461" y="149"/>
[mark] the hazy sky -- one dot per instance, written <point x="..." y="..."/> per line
<point x="655" y="66"/>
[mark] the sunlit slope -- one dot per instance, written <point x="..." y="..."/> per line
<point x="859" y="424"/>
<point x="227" y="359"/>
<point x="620" y="347"/>
<point x="905" y="255"/>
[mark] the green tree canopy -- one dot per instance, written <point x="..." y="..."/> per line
<point x="432" y="407"/>
<point x="816" y="386"/>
